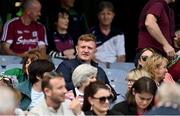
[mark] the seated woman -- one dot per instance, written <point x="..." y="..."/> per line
<point x="22" y="74"/>
<point x="31" y="88"/>
<point x="156" y="65"/>
<point x="142" y="56"/>
<point x="97" y="99"/>
<point x="82" y="76"/>
<point x="134" y="75"/>
<point x="139" y="99"/>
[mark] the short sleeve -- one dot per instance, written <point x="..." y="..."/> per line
<point x="156" y="9"/>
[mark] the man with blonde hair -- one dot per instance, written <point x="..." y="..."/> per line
<point x="86" y="49"/>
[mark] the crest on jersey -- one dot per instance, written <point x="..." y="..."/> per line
<point x="34" y="34"/>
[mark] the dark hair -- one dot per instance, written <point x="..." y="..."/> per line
<point x="144" y="84"/>
<point x="38" y="68"/>
<point x="47" y="77"/>
<point x="139" y="53"/>
<point x="105" y="4"/>
<point x="90" y="91"/>
<point x="61" y="11"/>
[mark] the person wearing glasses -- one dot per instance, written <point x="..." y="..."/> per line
<point x="97" y="99"/>
<point x="139" y="99"/>
<point x="134" y="75"/>
<point x="85" y="53"/>
<point x="142" y="56"/>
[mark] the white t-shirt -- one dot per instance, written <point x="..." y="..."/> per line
<point x="36" y="98"/>
<point x="109" y="50"/>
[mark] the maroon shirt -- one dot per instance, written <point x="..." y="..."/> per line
<point x="165" y="21"/>
<point x="23" y="38"/>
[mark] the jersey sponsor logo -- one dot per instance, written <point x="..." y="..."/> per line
<point x="19" y="32"/>
<point x="34" y="34"/>
<point x="26" y="31"/>
<point x="22" y="41"/>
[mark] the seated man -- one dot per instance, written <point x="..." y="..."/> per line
<point x="110" y="41"/>
<point x="86" y="49"/>
<point x="24" y="33"/>
<point x="54" y="103"/>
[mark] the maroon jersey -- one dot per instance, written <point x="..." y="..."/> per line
<point x="23" y="38"/>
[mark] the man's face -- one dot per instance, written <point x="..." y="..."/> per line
<point x="86" y="50"/>
<point x="58" y="90"/>
<point x="106" y="17"/>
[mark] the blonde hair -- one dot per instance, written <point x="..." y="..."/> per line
<point x="87" y="37"/>
<point x="153" y="63"/>
<point x="137" y="73"/>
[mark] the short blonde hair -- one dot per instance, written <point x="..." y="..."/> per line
<point x="137" y="73"/>
<point x="82" y="73"/>
<point x="153" y="63"/>
<point x="87" y="37"/>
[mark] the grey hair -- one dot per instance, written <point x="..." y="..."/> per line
<point x="169" y="94"/>
<point x="82" y="73"/>
<point x="7" y="100"/>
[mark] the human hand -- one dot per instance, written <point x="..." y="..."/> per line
<point x="69" y="53"/>
<point x="75" y="106"/>
<point x="170" y="52"/>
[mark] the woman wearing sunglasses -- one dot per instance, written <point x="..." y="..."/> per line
<point x="139" y="99"/>
<point x="142" y="56"/>
<point x="97" y="99"/>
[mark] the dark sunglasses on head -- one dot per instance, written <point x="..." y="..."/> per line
<point x="144" y="58"/>
<point x="103" y="99"/>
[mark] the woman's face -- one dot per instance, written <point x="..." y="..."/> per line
<point x="143" y="100"/>
<point x="91" y="79"/>
<point x="100" y="102"/>
<point x="130" y="83"/>
<point x="146" y="54"/>
<point x="160" y="72"/>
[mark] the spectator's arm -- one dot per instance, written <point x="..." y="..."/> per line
<point x="155" y="32"/>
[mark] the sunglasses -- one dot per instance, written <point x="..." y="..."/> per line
<point x="144" y="58"/>
<point x="103" y="99"/>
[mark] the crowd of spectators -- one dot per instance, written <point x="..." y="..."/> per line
<point x="78" y="85"/>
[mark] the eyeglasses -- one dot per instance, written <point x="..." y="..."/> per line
<point x="103" y="99"/>
<point x="144" y="58"/>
